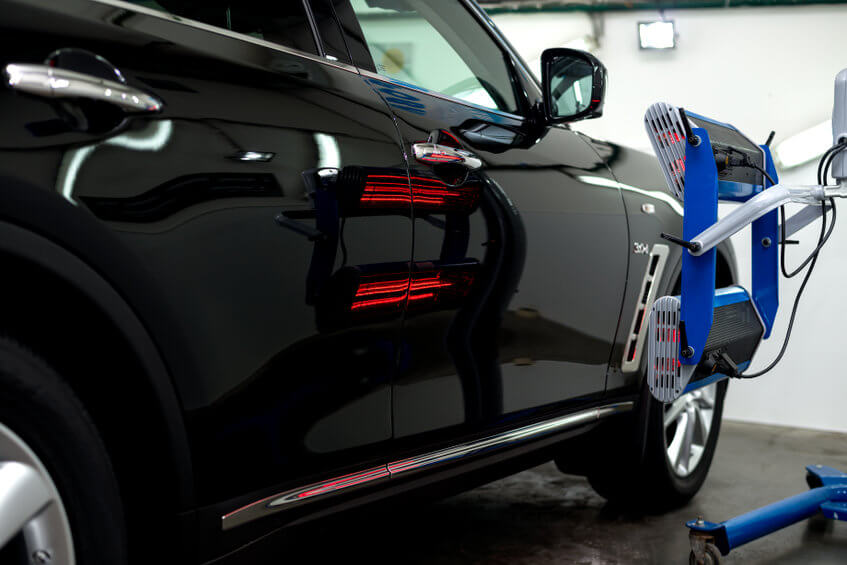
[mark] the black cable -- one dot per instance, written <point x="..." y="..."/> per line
<point x="824" y="236"/>
<point x="761" y="170"/>
<point x="823" y="168"/>
<point x="790" y="322"/>
<point x="828" y="156"/>
<point x="821" y="241"/>
<point x="831" y="153"/>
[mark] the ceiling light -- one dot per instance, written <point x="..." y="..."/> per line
<point x="657" y="35"/>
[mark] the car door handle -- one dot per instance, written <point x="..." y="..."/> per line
<point x="52" y="82"/>
<point x="435" y="154"/>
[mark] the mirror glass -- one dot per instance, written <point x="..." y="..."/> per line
<point x="571" y="83"/>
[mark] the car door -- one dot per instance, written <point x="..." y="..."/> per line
<point x="531" y="212"/>
<point x="238" y="193"/>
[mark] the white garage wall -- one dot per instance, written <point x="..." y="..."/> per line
<point x="760" y="69"/>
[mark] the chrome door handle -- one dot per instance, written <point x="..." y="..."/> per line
<point x="52" y="82"/>
<point x="435" y="154"/>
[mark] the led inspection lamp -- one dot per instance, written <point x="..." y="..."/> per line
<point x="704" y="334"/>
<point x="707" y="334"/>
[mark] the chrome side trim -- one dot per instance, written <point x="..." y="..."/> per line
<point x="292" y="498"/>
<point x="225" y="32"/>
<point x="505" y="439"/>
<point x="289" y="499"/>
<point x="634" y="344"/>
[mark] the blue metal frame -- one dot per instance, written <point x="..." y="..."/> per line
<point x="830" y="498"/>
<point x="698" y="273"/>
<point x="702" y="192"/>
<point x="698" y="301"/>
<point x="766" y="259"/>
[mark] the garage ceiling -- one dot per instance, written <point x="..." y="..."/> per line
<point x="501" y="6"/>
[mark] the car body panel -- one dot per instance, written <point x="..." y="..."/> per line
<point x="231" y="261"/>
<point x="533" y="338"/>
<point x="263" y="402"/>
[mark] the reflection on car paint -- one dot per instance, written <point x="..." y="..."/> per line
<point x="183" y="192"/>
<point x="350" y="294"/>
<point x="398" y="96"/>
<point x="662" y="195"/>
<point x="431" y="286"/>
<point x="383" y="190"/>
<point x="154" y="136"/>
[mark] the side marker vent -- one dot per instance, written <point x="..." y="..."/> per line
<point x="638" y="327"/>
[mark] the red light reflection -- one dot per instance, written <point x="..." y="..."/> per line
<point x="429" y="194"/>
<point x="422" y="289"/>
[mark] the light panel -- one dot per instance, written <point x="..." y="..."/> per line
<point x="657" y="35"/>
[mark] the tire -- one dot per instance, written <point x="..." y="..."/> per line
<point x="645" y="477"/>
<point x="40" y="413"/>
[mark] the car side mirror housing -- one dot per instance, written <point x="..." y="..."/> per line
<point x="574" y="84"/>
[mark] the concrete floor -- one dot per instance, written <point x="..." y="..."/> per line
<point x="542" y="516"/>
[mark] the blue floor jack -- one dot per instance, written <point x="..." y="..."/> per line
<point x="706" y="335"/>
<point x="827" y="495"/>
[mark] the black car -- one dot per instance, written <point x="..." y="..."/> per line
<point x="266" y="261"/>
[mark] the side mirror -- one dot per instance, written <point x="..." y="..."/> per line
<point x="574" y="84"/>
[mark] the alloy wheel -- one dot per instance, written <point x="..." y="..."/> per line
<point x="687" y="425"/>
<point x="34" y="527"/>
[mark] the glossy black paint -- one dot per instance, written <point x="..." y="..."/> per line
<point x="535" y="336"/>
<point x="263" y="402"/>
<point x="238" y="231"/>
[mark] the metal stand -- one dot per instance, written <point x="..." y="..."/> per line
<point x="702" y="192"/>
<point x="827" y="494"/>
<point x="680" y="329"/>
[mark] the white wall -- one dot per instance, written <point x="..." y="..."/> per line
<point x="760" y="69"/>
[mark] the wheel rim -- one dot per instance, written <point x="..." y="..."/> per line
<point x="32" y="515"/>
<point x="688" y="424"/>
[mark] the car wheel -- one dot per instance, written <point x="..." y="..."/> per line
<point x="687" y="424"/>
<point x="59" y="499"/>
<point x="690" y="427"/>
<point x="679" y="442"/>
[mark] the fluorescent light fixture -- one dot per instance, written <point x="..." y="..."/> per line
<point x="657" y="35"/>
<point x="805" y="146"/>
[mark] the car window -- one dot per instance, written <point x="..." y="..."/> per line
<point x="282" y="22"/>
<point x="437" y="45"/>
